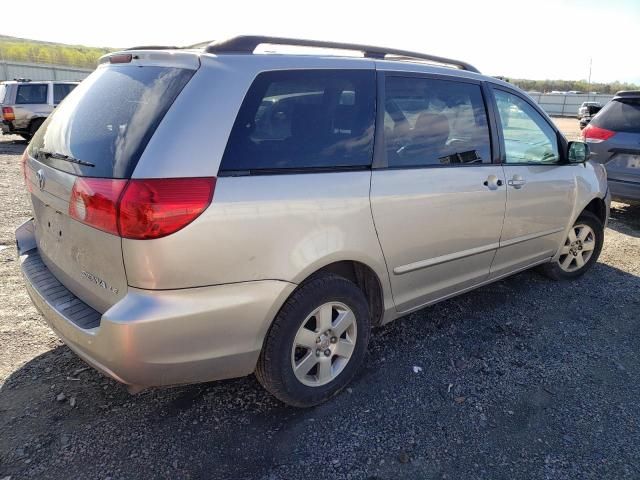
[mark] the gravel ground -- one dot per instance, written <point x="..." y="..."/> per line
<point x="525" y="378"/>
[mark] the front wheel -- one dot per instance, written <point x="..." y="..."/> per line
<point x="317" y="342"/>
<point x="581" y="249"/>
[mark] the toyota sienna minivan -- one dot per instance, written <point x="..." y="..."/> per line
<point x="207" y="213"/>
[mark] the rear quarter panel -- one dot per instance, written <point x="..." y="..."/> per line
<point x="277" y="227"/>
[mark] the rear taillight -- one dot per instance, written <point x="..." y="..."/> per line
<point x="594" y="134"/>
<point x="155" y="208"/>
<point x="8" y="114"/>
<point x="140" y="209"/>
<point x="23" y="166"/>
<point x="94" y="201"/>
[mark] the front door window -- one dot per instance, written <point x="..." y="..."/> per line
<point x="528" y="138"/>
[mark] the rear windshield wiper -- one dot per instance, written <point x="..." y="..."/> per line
<point x="66" y="158"/>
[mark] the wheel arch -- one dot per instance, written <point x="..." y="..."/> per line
<point x="364" y="277"/>
<point x="598" y="207"/>
<point x="372" y="278"/>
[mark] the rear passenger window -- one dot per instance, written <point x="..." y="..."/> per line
<point x="36" y="93"/>
<point x="434" y="122"/>
<point x="304" y="119"/>
<point x="61" y="90"/>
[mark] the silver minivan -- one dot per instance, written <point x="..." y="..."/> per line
<point x="202" y="214"/>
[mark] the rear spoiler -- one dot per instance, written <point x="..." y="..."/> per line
<point x="156" y="57"/>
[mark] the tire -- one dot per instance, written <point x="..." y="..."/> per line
<point x="33" y="128"/>
<point x="595" y="239"/>
<point x="275" y="369"/>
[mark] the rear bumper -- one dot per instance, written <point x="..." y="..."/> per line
<point x="624" y="190"/>
<point x="152" y="338"/>
<point x="5" y="128"/>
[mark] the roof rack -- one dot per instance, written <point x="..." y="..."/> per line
<point x="248" y="43"/>
<point x="153" y="47"/>
<point x="200" y="44"/>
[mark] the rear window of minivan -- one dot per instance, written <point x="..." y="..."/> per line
<point x="302" y="120"/>
<point x="105" y="123"/>
<point x="622" y="115"/>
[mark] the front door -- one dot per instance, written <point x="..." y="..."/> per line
<point x="438" y="202"/>
<point x="540" y="188"/>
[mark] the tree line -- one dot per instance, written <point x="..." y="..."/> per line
<point x="546" y="86"/>
<point x="20" y="50"/>
<point x="54" y="54"/>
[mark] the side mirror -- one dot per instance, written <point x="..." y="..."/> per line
<point x="578" y="152"/>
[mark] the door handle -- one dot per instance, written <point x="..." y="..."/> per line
<point x="492" y="182"/>
<point x="517" y="182"/>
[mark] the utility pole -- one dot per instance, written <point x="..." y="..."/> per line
<point x="589" y="81"/>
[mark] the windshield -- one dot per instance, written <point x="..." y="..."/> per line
<point x="104" y="124"/>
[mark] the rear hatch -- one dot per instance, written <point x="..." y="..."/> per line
<point x="614" y="136"/>
<point x="79" y="162"/>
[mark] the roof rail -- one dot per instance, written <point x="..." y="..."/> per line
<point x="153" y="47"/>
<point x="248" y="43"/>
<point x="200" y="44"/>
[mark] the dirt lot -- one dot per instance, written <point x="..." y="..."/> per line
<point x="569" y="126"/>
<point x="525" y="378"/>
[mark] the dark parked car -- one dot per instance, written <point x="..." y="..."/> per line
<point x="584" y="109"/>
<point x="588" y="113"/>
<point x="614" y="138"/>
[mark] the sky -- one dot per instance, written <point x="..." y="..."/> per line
<point x="533" y="39"/>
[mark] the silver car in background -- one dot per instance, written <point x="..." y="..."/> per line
<point x="202" y="214"/>
<point x="25" y="104"/>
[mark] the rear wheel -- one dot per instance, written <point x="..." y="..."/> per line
<point x="581" y="249"/>
<point x="33" y="128"/>
<point x="316" y="343"/>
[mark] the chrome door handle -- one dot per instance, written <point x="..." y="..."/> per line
<point x="517" y="181"/>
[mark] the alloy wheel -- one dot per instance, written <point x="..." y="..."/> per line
<point x="324" y="344"/>
<point x="578" y="248"/>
